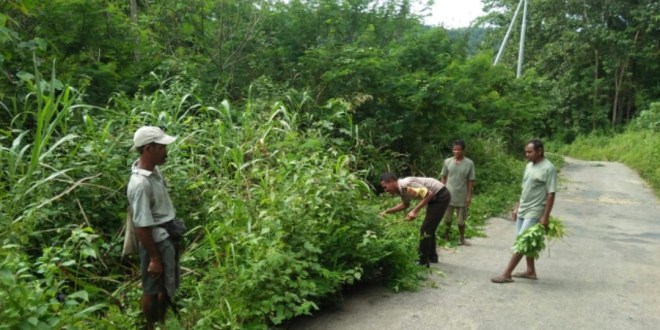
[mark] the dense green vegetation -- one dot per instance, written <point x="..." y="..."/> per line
<point x="286" y="114"/>
<point x="600" y="59"/>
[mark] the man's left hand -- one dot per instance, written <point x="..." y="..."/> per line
<point x="467" y="202"/>
<point x="411" y="215"/>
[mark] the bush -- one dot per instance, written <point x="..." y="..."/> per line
<point x="648" y="119"/>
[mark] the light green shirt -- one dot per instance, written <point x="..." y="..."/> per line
<point x="539" y="180"/>
<point x="150" y="201"/>
<point x="458" y="175"/>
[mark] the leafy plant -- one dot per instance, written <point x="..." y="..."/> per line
<point x="533" y="240"/>
<point x="50" y="293"/>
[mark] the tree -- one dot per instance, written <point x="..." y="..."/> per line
<point x="599" y="54"/>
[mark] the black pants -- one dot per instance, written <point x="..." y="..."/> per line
<point x="435" y="209"/>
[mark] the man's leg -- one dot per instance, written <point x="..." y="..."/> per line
<point x="150" y="301"/>
<point x="427" y="251"/>
<point x="461" y="232"/>
<point x="521" y="225"/>
<point x="460" y="218"/>
<point x="156" y="291"/>
<point x="448" y="218"/>
<point x="150" y="310"/>
<point x="163" y="304"/>
<point x="515" y="259"/>
<point x="434" y="212"/>
<point x="531" y="270"/>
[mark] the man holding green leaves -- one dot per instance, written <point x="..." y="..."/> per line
<point x="536" y="201"/>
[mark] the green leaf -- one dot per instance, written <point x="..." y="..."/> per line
<point x="68" y="263"/>
<point x="6" y="278"/>
<point x="25" y="76"/>
<point x="82" y="295"/>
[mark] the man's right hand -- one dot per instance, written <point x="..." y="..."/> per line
<point x="155" y="267"/>
<point x="514" y="215"/>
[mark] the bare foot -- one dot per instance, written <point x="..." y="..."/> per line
<point x="464" y="242"/>
<point x="525" y="275"/>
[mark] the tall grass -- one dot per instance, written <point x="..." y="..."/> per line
<point x="279" y="221"/>
<point x="30" y="165"/>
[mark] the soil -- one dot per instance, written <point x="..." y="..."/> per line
<point x="604" y="275"/>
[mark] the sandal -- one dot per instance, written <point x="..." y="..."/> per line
<point x="501" y="279"/>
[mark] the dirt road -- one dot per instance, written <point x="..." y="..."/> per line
<point x="605" y="275"/>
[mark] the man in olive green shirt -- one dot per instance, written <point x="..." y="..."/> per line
<point x="458" y="174"/>
<point x="536" y="201"/>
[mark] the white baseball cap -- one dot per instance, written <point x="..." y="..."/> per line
<point x="151" y="134"/>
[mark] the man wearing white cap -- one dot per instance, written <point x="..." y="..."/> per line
<point x="152" y="209"/>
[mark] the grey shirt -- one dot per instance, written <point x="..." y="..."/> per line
<point x="150" y="201"/>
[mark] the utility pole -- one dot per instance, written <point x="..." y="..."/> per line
<point x="522" y="37"/>
<point x="508" y="33"/>
<point x="521" y="50"/>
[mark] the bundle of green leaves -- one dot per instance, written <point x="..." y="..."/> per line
<point x="532" y="241"/>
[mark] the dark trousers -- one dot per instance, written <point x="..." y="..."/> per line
<point x="435" y="209"/>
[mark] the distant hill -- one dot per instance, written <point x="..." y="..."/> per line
<point x="472" y="36"/>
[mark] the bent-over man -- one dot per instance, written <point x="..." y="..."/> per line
<point x="433" y="194"/>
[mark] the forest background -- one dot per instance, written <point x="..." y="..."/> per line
<point x="286" y="113"/>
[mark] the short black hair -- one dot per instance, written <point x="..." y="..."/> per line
<point x="387" y="177"/>
<point x="140" y="149"/>
<point x="459" y="143"/>
<point x="537" y="144"/>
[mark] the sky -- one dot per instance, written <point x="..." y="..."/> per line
<point x="454" y="13"/>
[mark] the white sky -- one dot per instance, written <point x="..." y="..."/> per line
<point x="454" y="13"/>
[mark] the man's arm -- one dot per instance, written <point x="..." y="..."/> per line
<point x="468" y="199"/>
<point x="514" y="212"/>
<point x="397" y="208"/>
<point x="549" y="203"/>
<point x="155" y="265"/>
<point x="413" y="213"/>
<point x="139" y="200"/>
<point x="444" y="172"/>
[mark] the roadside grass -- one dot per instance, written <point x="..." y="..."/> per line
<point x="279" y="218"/>
<point x="637" y="148"/>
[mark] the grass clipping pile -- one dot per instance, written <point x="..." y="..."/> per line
<point x="533" y="240"/>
